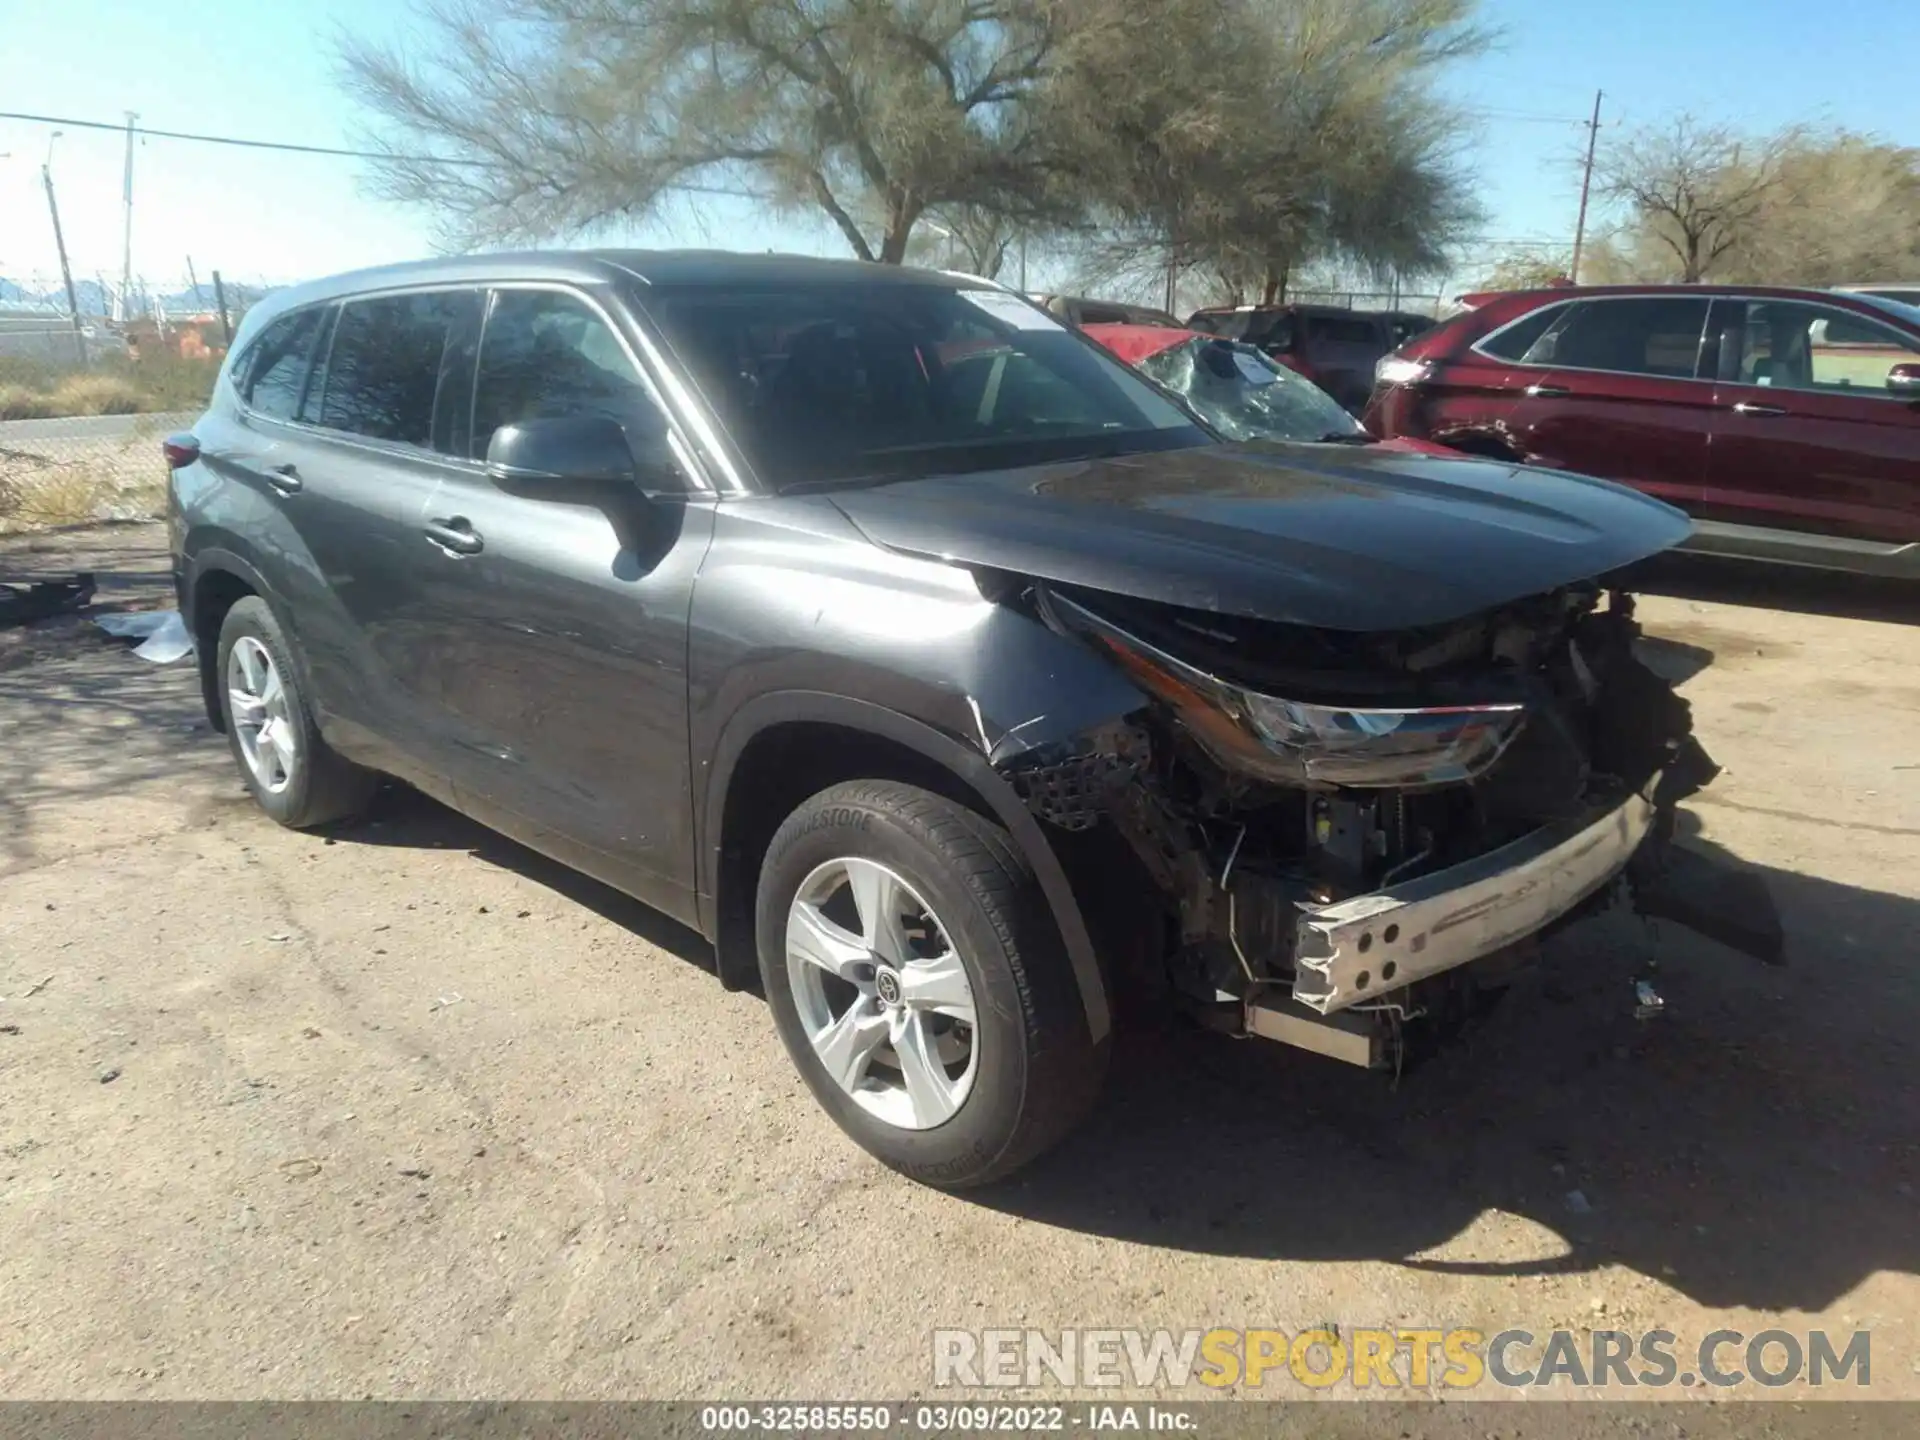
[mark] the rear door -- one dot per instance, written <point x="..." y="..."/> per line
<point x="345" y="445"/>
<point x="559" y="616"/>
<point x="1807" y="436"/>
<point x="377" y="421"/>
<point x="1614" y="388"/>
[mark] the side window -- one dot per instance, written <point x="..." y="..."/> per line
<point x="1518" y="340"/>
<point x="545" y="353"/>
<point x="386" y="364"/>
<point x="1814" y="347"/>
<point x="1655" y="335"/>
<point x="274" y="370"/>
<point x="1091" y="314"/>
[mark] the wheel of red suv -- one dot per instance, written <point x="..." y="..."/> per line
<point x="292" y="772"/>
<point x="916" y="977"/>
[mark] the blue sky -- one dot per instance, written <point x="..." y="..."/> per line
<point x="264" y="68"/>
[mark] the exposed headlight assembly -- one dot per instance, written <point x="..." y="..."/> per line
<point x="1302" y="743"/>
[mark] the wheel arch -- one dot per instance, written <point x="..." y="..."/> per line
<point x="782" y="747"/>
<point x="217" y="580"/>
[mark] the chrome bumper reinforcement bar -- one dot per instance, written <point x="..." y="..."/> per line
<point x="1359" y="949"/>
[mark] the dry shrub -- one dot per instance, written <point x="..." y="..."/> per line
<point x="97" y="395"/>
<point x="17" y="402"/>
<point x="37" y="493"/>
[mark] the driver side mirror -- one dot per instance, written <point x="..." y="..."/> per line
<point x="580" y="449"/>
<point x="1904" y="380"/>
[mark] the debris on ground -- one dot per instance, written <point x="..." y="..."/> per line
<point x="1647" y="1001"/>
<point x="1578" y="1203"/>
<point x="108" y="1076"/>
<point x="22" y="601"/>
<point x="163" y="634"/>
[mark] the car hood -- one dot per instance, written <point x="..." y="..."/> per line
<point x="1329" y="536"/>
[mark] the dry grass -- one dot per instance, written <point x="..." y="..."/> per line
<point x="158" y="380"/>
<point x="65" y="480"/>
<point x="35" y="498"/>
<point x="98" y="395"/>
<point x="17" y="402"/>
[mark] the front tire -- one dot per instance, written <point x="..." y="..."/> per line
<point x="294" y="774"/>
<point x="917" y="979"/>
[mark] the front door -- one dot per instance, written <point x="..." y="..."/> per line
<point x="560" y="618"/>
<point x="1808" y="436"/>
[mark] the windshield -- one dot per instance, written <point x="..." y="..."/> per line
<point x="839" y="381"/>
<point x="1238" y="390"/>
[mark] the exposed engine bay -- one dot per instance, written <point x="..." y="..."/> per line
<point x="1352" y="832"/>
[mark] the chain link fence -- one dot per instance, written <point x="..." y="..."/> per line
<point x="86" y="399"/>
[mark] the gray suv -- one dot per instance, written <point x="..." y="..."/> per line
<point x="957" y="682"/>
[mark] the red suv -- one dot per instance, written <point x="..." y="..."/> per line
<point x="1786" y="422"/>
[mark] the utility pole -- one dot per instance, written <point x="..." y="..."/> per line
<point x="60" y="244"/>
<point x="193" y="281"/>
<point x="1586" y="188"/>
<point x="126" y="239"/>
<point x="220" y="299"/>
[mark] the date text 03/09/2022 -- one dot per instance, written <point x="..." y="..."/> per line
<point x="940" y="1419"/>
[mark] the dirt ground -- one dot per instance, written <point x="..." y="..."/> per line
<point x="404" y="1110"/>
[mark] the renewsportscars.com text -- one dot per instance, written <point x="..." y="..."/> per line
<point x="1414" y="1359"/>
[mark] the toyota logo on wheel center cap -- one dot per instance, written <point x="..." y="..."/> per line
<point x="886" y="984"/>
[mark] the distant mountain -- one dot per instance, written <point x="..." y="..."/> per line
<point x="96" y="299"/>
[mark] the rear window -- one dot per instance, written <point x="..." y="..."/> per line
<point x="274" y="370"/>
<point x="1518" y="339"/>
<point x="1342" y="330"/>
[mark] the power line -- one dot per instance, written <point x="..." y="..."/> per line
<point x="240" y="142"/>
<point x="1522" y="116"/>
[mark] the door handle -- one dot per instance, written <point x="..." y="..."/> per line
<point x="285" y="478"/>
<point x="455" y="535"/>
<point x="1547" y="392"/>
<point x="1743" y="408"/>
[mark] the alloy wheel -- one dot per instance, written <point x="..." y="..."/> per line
<point x="882" y="993"/>
<point x="257" y="710"/>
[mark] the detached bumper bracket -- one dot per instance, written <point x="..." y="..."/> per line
<point x="1358" y="949"/>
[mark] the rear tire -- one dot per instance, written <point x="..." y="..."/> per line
<point x="1013" y="1068"/>
<point x="294" y="775"/>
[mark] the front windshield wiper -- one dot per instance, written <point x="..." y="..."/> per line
<point x="1347" y="437"/>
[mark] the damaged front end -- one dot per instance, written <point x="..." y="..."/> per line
<point x="1348" y="832"/>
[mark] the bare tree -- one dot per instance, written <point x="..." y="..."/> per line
<point x="557" y="115"/>
<point x="1694" y="189"/>
<point x="1528" y="270"/>
<point x="973" y="238"/>
<point x="1846" y="209"/>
